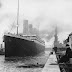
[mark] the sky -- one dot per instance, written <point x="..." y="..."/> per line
<point x="43" y="13"/>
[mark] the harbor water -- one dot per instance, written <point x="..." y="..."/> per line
<point x="11" y="66"/>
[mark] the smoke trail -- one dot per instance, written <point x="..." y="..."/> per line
<point x="47" y="28"/>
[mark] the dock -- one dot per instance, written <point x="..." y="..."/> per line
<point x="51" y="64"/>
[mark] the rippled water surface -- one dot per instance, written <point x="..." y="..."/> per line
<point x="11" y="66"/>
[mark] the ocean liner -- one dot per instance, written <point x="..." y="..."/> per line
<point x="22" y="45"/>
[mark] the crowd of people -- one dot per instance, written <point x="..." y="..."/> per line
<point x="66" y="57"/>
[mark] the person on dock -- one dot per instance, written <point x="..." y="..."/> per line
<point x="55" y="49"/>
<point x="67" y="55"/>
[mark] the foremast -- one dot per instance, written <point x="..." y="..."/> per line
<point x="17" y="17"/>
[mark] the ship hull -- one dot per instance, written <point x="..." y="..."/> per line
<point x="19" y="47"/>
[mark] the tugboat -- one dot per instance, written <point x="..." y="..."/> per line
<point x="17" y="46"/>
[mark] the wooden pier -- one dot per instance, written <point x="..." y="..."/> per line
<point x="51" y="64"/>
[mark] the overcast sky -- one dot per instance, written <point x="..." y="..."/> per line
<point x="59" y="11"/>
<point x="47" y="13"/>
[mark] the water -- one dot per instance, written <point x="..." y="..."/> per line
<point x="11" y="66"/>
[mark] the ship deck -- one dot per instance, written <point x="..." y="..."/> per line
<point x="18" y="36"/>
<point x="23" y="37"/>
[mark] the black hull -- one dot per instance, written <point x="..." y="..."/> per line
<point x="19" y="47"/>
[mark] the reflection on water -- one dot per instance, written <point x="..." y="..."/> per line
<point x="11" y="66"/>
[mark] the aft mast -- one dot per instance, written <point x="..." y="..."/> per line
<point x="17" y="17"/>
